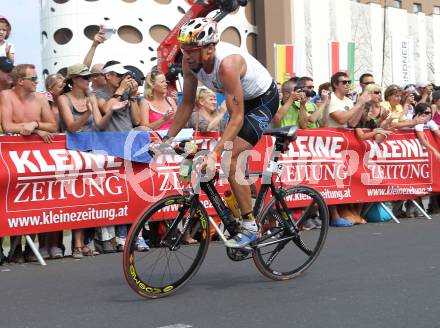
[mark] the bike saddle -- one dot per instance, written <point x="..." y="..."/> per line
<point x="287" y="132"/>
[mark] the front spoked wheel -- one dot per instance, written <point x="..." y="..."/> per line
<point x="291" y="237"/>
<point x="170" y="262"/>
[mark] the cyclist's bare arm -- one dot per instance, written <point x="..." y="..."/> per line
<point x="230" y="71"/>
<point x="185" y="108"/>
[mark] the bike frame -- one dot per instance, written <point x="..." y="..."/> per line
<point x="224" y="212"/>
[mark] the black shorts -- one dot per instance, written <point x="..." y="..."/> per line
<point x="258" y="114"/>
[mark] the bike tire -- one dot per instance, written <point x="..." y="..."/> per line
<point x="162" y="270"/>
<point x="305" y="248"/>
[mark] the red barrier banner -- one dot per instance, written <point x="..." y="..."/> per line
<point x="48" y="188"/>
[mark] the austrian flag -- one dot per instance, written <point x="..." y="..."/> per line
<point x="341" y="56"/>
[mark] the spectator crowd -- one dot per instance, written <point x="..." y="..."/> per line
<point x="109" y="97"/>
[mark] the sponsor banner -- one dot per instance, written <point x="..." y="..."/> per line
<point x="403" y="60"/>
<point x="48" y="188"/>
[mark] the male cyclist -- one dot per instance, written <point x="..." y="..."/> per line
<point x="251" y="99"/>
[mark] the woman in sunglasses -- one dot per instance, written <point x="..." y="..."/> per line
<point x="423" y="112"/>
<point x="79" y="112"/>
<point x="373" y="117"/>
<point x="78" y="108"/>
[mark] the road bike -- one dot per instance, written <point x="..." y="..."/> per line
<point x="283" y="250"/>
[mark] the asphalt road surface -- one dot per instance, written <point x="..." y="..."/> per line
<point x="378" y="275"/>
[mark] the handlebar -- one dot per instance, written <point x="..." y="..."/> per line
<point x="185" y="148"/>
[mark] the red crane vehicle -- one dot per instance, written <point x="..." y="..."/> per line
<point x="169" y="57"/>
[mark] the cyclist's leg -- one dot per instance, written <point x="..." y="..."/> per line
<point x="242" y="192"/>
<point x="258" y="114"/>
<point x="239" y="185"/>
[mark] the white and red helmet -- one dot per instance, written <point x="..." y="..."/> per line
<point x="198" y="32"/>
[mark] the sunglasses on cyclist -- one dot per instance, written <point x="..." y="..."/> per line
<point x="377" y="92"/>
<point x="190" y="50"/>
<point x="30" y="78"/>
<point x="344" y="82"/>
<point x="427" y="113"/>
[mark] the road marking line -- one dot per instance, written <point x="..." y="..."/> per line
<point x="177" y="325"/>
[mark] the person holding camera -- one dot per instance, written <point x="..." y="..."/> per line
<point x="121" y="86"/>
<point x="309" y="114"/>
<point x="287" y="114"/>
<point x="425" y="89"/>
<point x="312" y="115"/>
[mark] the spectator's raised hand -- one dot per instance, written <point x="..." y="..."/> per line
<point x="119" y="105"/>
<point x="325" y="96"/>
<point x="89" y="106"/>
<point x="364" y="97"/>
<point x="132" y="84"/>
<point x="126" y="83"/>
<point x="99" y="37"/>
<point x="169" y="115"/>
<point x="302" y="98"/>
<point x="294" y="96"/>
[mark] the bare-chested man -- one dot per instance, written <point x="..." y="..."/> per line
<point x="26" y="112"/>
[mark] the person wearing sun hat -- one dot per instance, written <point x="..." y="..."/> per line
<point x="120" y="86"/>
<point x="79" y="112"/>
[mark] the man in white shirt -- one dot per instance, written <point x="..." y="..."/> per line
<point x="343" y="114"/>
<point x="341" y="110"/>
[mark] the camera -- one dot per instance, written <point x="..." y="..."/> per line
<point x="309" y="93"/>
<point x="417" y="96"/>
<point x="436" y="87"/>
<point x="131" y="74"/>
